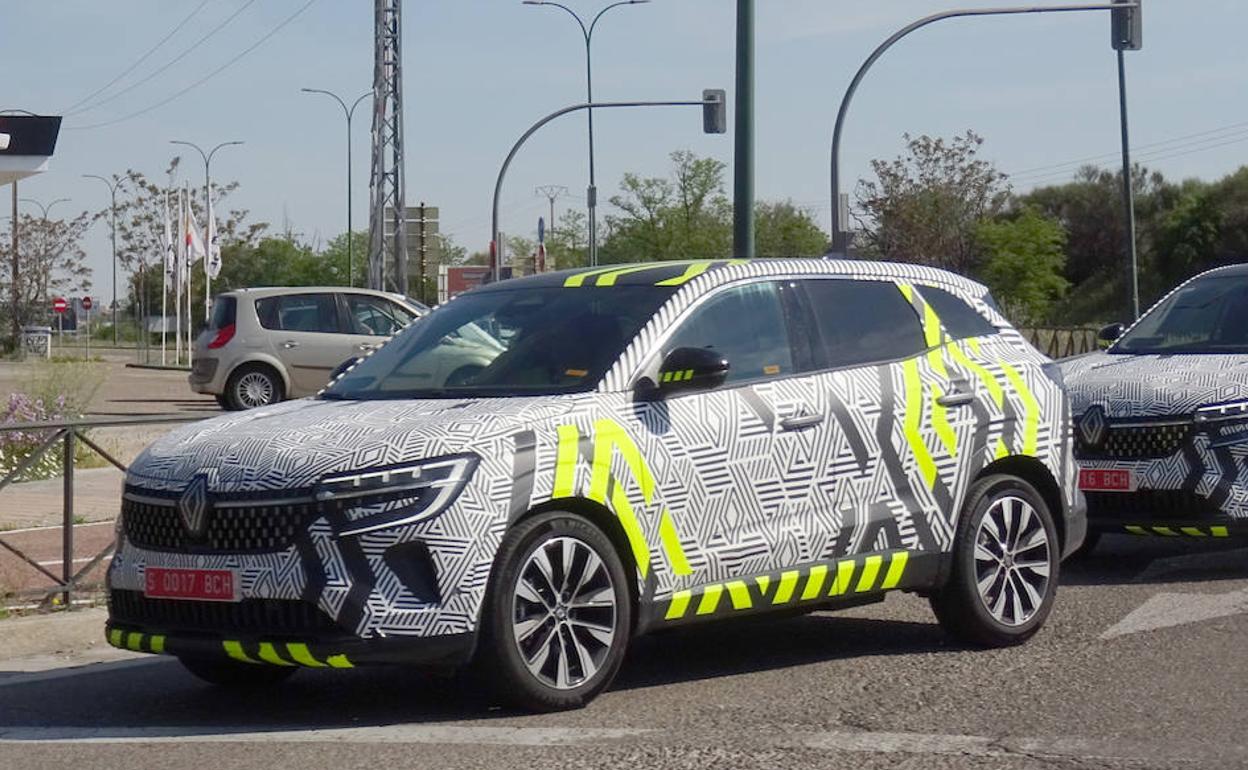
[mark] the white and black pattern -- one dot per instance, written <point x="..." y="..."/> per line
<point x="708" y="487"/>
<point x="1184" y="469"/>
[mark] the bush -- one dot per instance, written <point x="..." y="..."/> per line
<point x="50" y="392"/>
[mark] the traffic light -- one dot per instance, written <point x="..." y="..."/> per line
<point x="1128" y="26"/>
<point x="714" y="111"/>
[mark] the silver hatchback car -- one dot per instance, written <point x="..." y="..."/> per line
<point x="263" y="346"/>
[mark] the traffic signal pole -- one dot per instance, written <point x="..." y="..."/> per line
<point x="743" y="155"/>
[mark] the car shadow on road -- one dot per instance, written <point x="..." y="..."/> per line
<point x="128" y="700"/>
<point x="1129" y="559"/>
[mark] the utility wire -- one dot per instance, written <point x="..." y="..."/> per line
<point x="168" y="64"/>
<point x="1148" y="157"/>
<point x="140" y="60"/>
<point x="205" y="78"/>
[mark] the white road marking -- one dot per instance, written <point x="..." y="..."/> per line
<point x="414" y="733"/>
<point x="1166" y="610"/>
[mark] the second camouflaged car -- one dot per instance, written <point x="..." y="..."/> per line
<point x="649" y="446"/>
<point x="1162" y="416"/>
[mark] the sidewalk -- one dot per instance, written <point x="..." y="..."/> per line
<point x="26" y="504"/>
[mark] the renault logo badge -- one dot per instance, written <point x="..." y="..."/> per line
<point x="193" y="506"/>
<point x="1092" y="426"/>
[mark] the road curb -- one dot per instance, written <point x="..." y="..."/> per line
<point x="60" y="632"/>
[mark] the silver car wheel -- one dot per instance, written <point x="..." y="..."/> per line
<point x="1013" y="561"/>
<point x="564" y="612"/>
<point x="255" y="389"/>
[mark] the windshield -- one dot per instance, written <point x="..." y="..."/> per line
<point x="506" y="343"/>
<point x="1209" y="315"/>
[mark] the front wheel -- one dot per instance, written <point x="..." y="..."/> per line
<point x="558" y="614"/>
<point x="1005" y="566"/>
<point x="235" y="674"/>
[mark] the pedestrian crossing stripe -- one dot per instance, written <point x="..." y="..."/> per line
<point x="819" y="582"/>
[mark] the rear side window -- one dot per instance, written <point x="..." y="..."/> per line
<point x="862" y="322"/>
<point x="746" y="325"/>
<point x="223" y="312"/>
<point x="299" y="313"/>
<point x="959" y="319"/>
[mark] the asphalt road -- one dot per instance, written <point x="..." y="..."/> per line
<point x="1141" y="665"/>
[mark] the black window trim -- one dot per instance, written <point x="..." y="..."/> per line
<point x="650" y="359"/>
<point x="279" y="297"/>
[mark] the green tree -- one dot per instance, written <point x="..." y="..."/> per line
<point x="782" y="229"/>
<point x="51" y="263"/>
<point x="925" y="206"/>
<point x="1024" y="259"/>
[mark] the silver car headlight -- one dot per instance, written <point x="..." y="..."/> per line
<point x="384" y="498"/>
<point x="1236" y="410"/>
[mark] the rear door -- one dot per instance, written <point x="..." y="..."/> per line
<point x="309" y="339"/>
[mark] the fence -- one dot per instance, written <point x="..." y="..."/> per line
<point x="1063" y="342"/>
<point x="69" y="433"/>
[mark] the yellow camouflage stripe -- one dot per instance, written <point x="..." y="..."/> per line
<point x="136" y="641"/>
<point x="709" y="599"/>
<point x="607" y="276"/>
<point x="1148" y="529"/>
<point x="1031" y="420"/>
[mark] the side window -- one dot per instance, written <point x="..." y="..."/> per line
<point x="746" y="325"/>
<point x="308" y="313"/>
<point x="959" y="319"/>
<point x="373" y="316"/>
<point x="863" y="322"/>
<point x="266" y="311"/>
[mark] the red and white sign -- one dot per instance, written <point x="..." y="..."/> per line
<point x="1100" y="480"/>
<point x="60" y="305"/>
<point x="205" y="585"/>
<point x="86" y="303"/>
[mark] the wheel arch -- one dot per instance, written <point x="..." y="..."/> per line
<point x="1038" y="475"/>
<point x="266" y="361"/>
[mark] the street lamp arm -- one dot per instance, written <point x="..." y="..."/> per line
<point x="330" y="94"/>
<point x="593" y="24"/>
<point x="219" y="146"/>
<point x="581" y="22"/>
<point x="837" y="225"/>
<point x="363" y="96"/>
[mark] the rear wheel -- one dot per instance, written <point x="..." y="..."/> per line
<point x="236" y="674"/>
<point x="253" y="386"/>
<point x="558" y="614"/>
<point x="1005" y="566"/>
<point x="223" y="401"/>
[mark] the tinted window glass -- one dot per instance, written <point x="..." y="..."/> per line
<point x="958" y="318"/>
<point x="863" y="322"/>
<point x="746" y="325"/>
<point x="223" y="310"/>
<point x="374" y="316"/>
<point x="307" y="313"/>
<point x="507" y="342"/>
<point x="266" y="311"/>
<point x="1209" y="315"/>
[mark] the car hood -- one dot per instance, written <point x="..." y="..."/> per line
<point x="1128" y="385"/>
<point x="294" y="444"/>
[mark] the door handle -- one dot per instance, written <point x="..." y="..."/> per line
<point x="290" y="344"/>
<point x="366" y="346"/>
<point x="801" y="421"/>
<point x="956" y="398"/>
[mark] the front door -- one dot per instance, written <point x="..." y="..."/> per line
<point x="309" y="340"/>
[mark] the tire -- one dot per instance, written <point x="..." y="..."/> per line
<point x="537" y="651"/>
<point x="252" y="386"/>
<point x="235" y="674"/>
<point x="224" y="402"/>
<point x="1016" y="601"/>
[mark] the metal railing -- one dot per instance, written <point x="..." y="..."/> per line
<point x="1062" y="342"/>
<point x="69" y="433"/>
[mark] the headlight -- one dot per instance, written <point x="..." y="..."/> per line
<point x="1237" y="410"/>
<point x="394" y="497"/>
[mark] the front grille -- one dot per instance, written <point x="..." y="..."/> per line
<point x="1149" y="504"/>
<point x="269" y="617"/>
<point x="1135" y="442"/>
<point x="155" y="524"/>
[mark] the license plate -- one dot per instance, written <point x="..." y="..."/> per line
<point x="204" y="585"/>
<point x="1097" y="480"/>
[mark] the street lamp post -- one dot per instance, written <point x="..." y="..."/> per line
<point x="42" y="208"/>
<point x="112" y="190"/>
<point x="207" y="156"/>
<point x="591" y="194"/>
<point x="840" y="240"/>
<point x="349" y="112"/>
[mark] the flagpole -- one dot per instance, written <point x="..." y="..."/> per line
<point x="164" y="282"/>
<point x="207" y="247"/>
<point x="190" y="323"/>
<point x="177" y="285"/>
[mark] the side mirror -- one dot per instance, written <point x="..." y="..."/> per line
<point x="1111" y="333"/>
<point x="687" y="369"/>
<point x="342" y="368"/>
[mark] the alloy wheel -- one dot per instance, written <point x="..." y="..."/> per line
<point x="1013" y="560"/>
<point x="564" y="616"/>
<point x="255" y="389"/>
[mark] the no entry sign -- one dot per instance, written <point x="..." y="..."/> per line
<point x="59" y="304"/>
<point x="86" y="303"/>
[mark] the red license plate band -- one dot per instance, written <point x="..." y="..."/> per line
<point x="1100" y="480"/>
<point x="205" y="585"/>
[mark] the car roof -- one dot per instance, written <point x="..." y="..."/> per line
<point x="1229" y="271"/>
<point x="680" y="272"/>
<point x="273" y="291"/>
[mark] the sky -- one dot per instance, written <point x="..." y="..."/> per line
<point x="1041" y="90"/>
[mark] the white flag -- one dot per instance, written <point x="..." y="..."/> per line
<point x="212" y="261"/>
<point x="194" y="244"/>
<point x="171" y="255"/>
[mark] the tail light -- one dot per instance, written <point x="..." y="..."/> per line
<point x="224" y="335"/>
